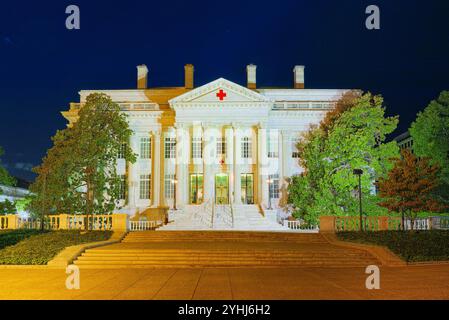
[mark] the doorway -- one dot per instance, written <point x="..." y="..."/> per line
<point x="196" y="188"/>
<point x="247" y="185"/>
<point x="221" y="188"/>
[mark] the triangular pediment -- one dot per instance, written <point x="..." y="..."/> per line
<point x="220" y="91"/>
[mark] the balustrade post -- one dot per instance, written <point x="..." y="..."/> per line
<point x="12" y="221"/>
<point x="327" y="223"/>
<point x="120" y="222"/>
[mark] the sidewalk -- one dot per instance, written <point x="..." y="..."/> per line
<point x="412" y="282"/>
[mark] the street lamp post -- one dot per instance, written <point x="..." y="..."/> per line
<point x="269" y="181"/>
<point x="359" y="172"/>
<point x="174" y="181"/>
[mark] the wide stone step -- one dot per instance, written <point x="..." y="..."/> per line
<point x="236" y="264"/>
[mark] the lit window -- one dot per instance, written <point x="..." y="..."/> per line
<point x="122" y="187"/>
<point x="197" y="148"/>
<point x="145" y="189"/>
<point x="170" y="148"/>
<point x="121" y="151"/>
<point x="246" y="147"/>
<point x="169" y="186"/>
<point x="221" y="146"/>
<point x="145" y="148"/>
<point x="295" y="151"/>
<point x="274" y="186"/>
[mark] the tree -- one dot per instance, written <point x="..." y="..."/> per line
<point x="79" y="172"/>
<point x="430" y="133"/>
<point x="5" y="178"/>
<point x="7" y="207"/>
<point x="408" y="187"/>
<point x="351" y="137"/>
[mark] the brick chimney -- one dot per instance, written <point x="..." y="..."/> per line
<point x="298" y="77"/>
<point x="188" y="76"/>
<point x="142" y="74"/>
<point x="251" y="76"/>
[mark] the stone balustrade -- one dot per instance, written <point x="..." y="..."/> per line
<point x="115" y="222"/>
<point x="381" y="223"/>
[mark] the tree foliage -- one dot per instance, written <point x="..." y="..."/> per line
<point x="5" y="178"/>
<point x="408" y="187"/>
<point x="7" y="207"/>
<point x="352" y="136"/>
<point x="430" y="133"/>
<point x="78" y="174"/>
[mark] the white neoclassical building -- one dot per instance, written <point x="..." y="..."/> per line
<point x="220" y="142"/>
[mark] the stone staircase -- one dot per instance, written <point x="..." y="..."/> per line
<point x="205" y="249"/>
<point x="245" y="218"/>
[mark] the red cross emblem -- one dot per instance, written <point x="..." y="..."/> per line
<point x="221" y="95"/>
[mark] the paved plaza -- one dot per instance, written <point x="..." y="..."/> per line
<point x="413" y="282"/>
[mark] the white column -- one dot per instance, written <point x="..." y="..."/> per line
<point x="281" y="167"/>
<point x="208" y="160"/>
<point x="156" y="168"/>
<point x="237" y="163"/>
<point x="287" y="153"/>
<point x="262" y="165"/>
<point x="230" y="161"/>
<point x="182" y="148"/>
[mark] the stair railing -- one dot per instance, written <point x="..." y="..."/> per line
<point x="225" y="213"/>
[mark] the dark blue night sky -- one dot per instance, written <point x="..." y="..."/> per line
<point x="43" y="65"/>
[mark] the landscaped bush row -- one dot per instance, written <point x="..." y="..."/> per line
<point x="41" y="248"/>
<point x="11" y="237"/>
<point x="412" y="246"/>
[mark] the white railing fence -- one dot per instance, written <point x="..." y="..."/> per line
<point x="225" y="214"/>
<point x="300" y="226"/>
<point x="440" y="222"/>
<point x="418" y="224"/>
<point x="206" y="214"/>
<point x="144" y="225"/>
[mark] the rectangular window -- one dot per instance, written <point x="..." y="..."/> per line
<point x="246" y="147"/>
<point x="169" y="186"/>
<point x="145" y="189"/>
<point x="197" y="148"/>
<point x="273" y="146"/>
<point x="295" y="151"/>
<point x="122" y="187"/>
<point x="221" y="147"/>
<point x="274" y="186"/>
<point x="145" y="148"/>
<point x="170" y="148"/>
<point x="121" y="152"/>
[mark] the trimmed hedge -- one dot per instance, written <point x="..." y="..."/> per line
<point x="11" y="237"/>
<point x="411" y="246"/>
<point x="41" y="248"/>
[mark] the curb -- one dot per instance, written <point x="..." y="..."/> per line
<point x="69" y="254"/>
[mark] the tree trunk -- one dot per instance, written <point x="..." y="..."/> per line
<point x="43" y="209"/>
<point x="403" y="221"/>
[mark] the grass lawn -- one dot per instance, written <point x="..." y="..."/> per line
<point x="411" y="246"/>
<point x="41" y="247"/>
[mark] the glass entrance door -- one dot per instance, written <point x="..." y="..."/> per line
<point x="196" y="188"/>
<point x="221" y="188"/>
<point x="247" y="184"/>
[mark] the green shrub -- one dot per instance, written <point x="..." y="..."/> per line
<point x="412" y="246"/>
<point x="11" y="237"/>
<point x="41" y="248"/>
